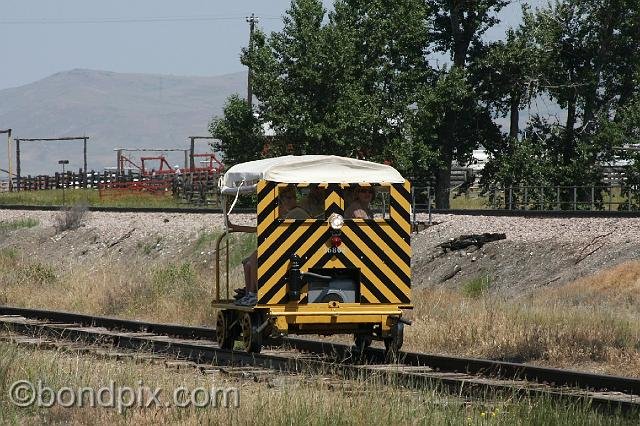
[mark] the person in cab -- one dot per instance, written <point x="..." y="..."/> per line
<point x="360" y="207"/>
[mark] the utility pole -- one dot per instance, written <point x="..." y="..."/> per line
<point x="8" y="132"/>
<point x="252" y="23"/>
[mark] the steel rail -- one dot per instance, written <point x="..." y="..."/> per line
<point x="503" y="369"/>
<point x="536" y="213"/>
<point x="441" y="363"/>
<point x="456" y="212"/>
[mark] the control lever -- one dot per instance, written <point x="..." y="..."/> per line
<point x="316" y="276"/>
<point x="296" y="276"/>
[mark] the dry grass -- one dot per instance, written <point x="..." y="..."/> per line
<point x="140" y="287"/>
<point x="617" y="287"/>
<point x="589" y="324"/>
<point x="293" y="400"/>
<point x="87" y="196"/>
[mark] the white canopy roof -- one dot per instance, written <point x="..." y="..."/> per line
<point x="306" y="169"/>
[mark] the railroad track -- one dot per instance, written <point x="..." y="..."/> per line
<point x="457" y="212"/>
<point x="462" y="376"/>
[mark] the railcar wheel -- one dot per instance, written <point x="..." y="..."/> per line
<point x="394" y="341"/>
<point x="251" y="338"/>
<point x="362" y="341"/>
<point x="225" y="334"/>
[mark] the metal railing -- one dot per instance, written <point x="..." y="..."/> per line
<point x="611" y="197"/>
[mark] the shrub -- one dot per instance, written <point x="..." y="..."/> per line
<point x="71" y="218"/>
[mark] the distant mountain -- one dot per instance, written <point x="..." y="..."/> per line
<point x="114" y="110"/>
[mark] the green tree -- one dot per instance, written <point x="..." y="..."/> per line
<point x="343" y="83"/>
<point x="239" y="132"/>
<point x="384" y="46"/>
<point x="450" y="120"/>
<point x="504" y="76"/>
<point x="585" y="56"/>
<point x="458" y="27"/>
<point x="293" y="81"/>
<point x="589" y="57"/>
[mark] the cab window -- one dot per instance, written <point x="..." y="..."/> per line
<point x="366" y="202"/>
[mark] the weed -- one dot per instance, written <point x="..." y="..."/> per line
<point x="240" y="246"/>
<point x="174" y="279"/>
<point x="38" y="274"/>
<point x="288" y="401"/>
<point x="477" y="287"/>
<point x="8" y="257"/>
<point x="205" y="238"/>
<point x="148" y="248"/>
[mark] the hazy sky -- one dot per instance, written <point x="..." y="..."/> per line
<point x="189" y="37"/>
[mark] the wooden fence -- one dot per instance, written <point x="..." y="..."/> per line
<point x="199" y="187"/>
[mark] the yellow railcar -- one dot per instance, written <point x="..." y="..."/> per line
<point x="325" y="273"/>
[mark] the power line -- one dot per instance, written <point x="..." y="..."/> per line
<point x="123" y="20"/>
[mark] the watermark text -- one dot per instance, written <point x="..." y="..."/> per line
<point x="25" y="393"/>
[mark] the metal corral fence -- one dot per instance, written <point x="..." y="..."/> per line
<point x="606" y="197"/>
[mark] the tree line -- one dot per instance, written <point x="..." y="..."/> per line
<point x="367" y="80"/>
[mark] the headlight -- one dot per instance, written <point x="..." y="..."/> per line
<point x="336" y="221"/>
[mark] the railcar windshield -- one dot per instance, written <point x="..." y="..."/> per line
<point x="318" y="201"/>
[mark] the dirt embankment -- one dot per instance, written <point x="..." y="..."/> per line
<point x="118" y="238"/>
<point x="537" y="252"/>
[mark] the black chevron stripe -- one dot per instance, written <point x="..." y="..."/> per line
<point x="266" y="190"/>
<point x="273" y="290"/>
<point x="334" y="208"/>
<point x="293" y="247"/>
<point x="380" y="252"/>
<point x="276" y="245"/>
<point x="394" y="204"/>
<point x="268" y="210"/>
<point x="375" y="270"/>
<point x="267" y="232"/>
<point x="389" y="241"/>
<point x="364" y="280"/>
<point x="395" y="225"/>
<point x="403" y="191"/>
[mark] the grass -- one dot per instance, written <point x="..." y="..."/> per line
<point x="13" y="225"/>
<point x="470" y="200"/>
<point x="143" y="286"/>
<point x="206" y="239"/>
<point x="545" y="329"/>
<point x="477" y="287"/>
<point x="91" y="197"/>
<point x="283" y="400"/>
